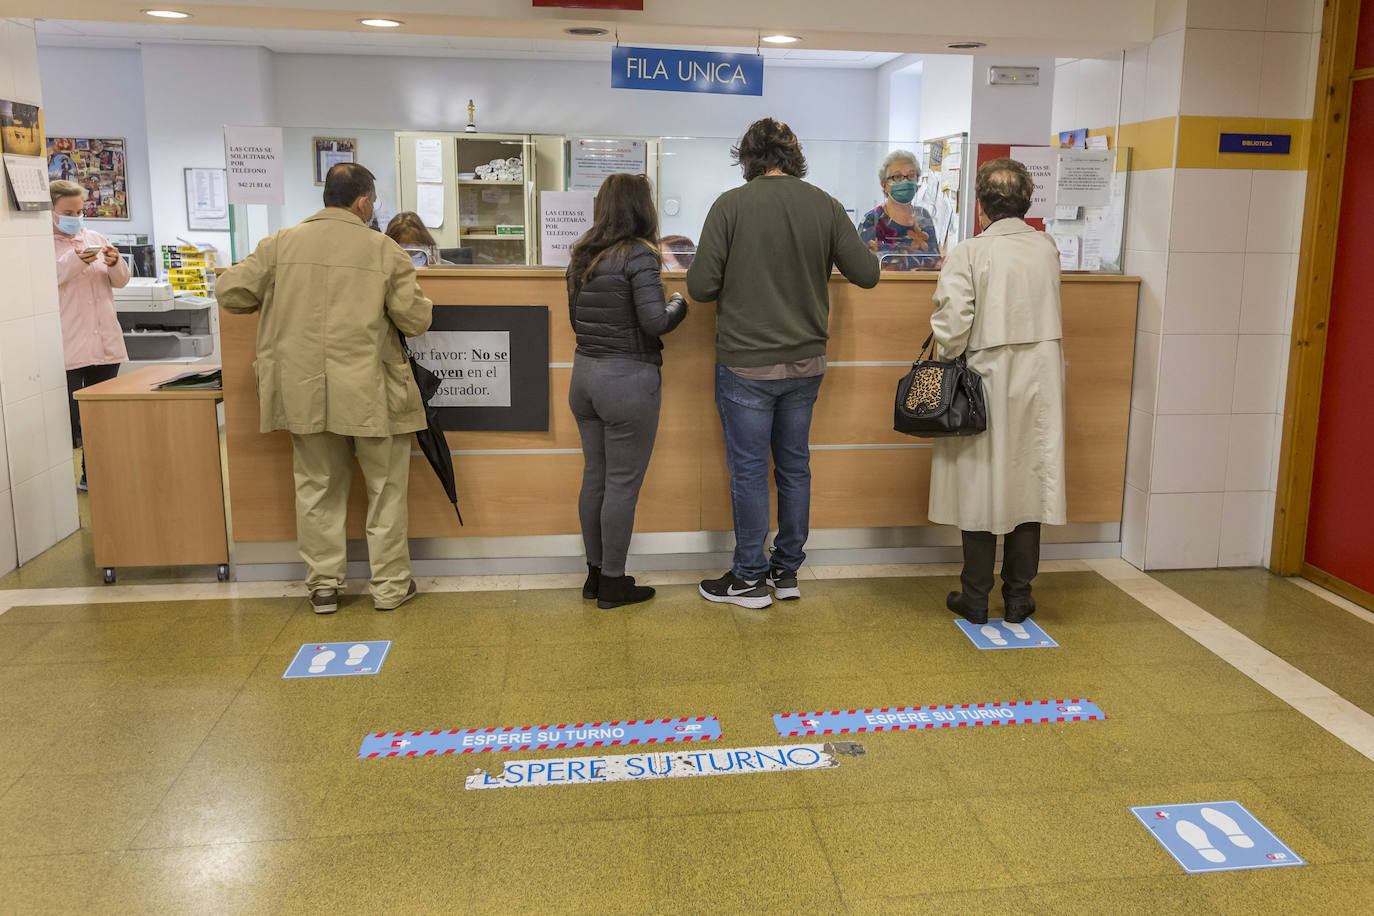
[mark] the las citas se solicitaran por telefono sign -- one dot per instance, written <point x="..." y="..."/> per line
<point x="473" y="366"/>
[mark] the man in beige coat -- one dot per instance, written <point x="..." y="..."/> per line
<point x="331" y="371"/>
<point x="997" y="302"/>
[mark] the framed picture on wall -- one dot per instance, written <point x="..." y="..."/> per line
<point x="97" y="164"/>
<point x="207" y="199"/>
<point x="330" y="151"/>
<point x="21" y="128"/>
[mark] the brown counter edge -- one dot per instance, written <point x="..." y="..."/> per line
<point x="138" y="385"/>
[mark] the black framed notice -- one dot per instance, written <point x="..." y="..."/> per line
<point x="494" y="362"/>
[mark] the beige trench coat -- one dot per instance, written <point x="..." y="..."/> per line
<point x="997" y="301"/>
<point x="332" y="294"/>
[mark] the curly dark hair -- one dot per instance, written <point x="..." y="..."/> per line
<point x="769" y="144"/>
<point x="1004" y="188"/>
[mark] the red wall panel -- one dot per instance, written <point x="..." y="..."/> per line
<point x="1340" y="529"/>
<point x="1364" y="41"/>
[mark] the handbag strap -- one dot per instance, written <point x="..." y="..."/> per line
<point x="926" y="346"/>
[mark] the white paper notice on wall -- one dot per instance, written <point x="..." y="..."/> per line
<point x="429" y="204"/>
<point x="564" y="217"/>
<point x="1092" y="241"/>
<point x="1085" y="177"/>
<point x="473" y="366"/>
<point x="1068" y="251"/>
<point x="254" y="159"/>
<point x="429" y="161"/>
<point x="1043" y="162"/>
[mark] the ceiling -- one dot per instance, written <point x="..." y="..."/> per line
<point x="79" y="34"/>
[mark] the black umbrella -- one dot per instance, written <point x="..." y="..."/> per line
<point x="431" y="439"/>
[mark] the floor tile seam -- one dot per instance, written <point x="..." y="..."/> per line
<point x="1331" y="597"/>
<point x="1290" y="684"/>
<point x="825" y="856"/>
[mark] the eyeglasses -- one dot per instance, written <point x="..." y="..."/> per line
<point x="909" y="176"/>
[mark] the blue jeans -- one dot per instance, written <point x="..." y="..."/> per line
<point x="759" y="416"/>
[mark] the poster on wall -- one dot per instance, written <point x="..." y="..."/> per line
<point x="1043" y="164"/>
<point x="21" y="128"/>
<point x="564" y="217"/>
<point x="591" y="160"/>
<point x="254" y="156"/>
<point x="99" y="165"/>
<point x="207" y="200"/>
<point x="330" y="151"/>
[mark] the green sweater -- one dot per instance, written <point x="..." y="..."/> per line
<point x="765" y="256"/>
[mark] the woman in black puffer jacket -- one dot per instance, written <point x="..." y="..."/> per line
<point x="615" y="302"/>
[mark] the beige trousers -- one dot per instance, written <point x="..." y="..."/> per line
<point x="324" y="472"/>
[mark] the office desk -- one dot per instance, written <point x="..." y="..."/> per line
<point x="153" y="468"/>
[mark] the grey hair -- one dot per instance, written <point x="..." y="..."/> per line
<point x="898" y="155"/>
<point x="60" y="189"/>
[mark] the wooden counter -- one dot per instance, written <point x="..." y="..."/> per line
<point x="864" y="474"/>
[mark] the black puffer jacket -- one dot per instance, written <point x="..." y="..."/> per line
<point x="618" y="311"/>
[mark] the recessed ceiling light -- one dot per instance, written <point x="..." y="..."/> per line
<point x="966" y="45"/>
<point x="585" y="30"/>
<point x="167" y="14"/>
<point x="780" y="39"/>
<point x="381" y="23"/>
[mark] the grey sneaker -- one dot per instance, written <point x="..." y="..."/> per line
<point x="783" y="582"/>
<point x="324" y="600"/>
<point x="410" y="593"/>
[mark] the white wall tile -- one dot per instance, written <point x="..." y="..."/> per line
<point x="52" y="371"/>
<point x="4" y="459"/>
<point x="1227" y="14"/>
<point x="1250" y="455"/>
<point x="1184" y="530"/>
<point x="27" y="439"/>
<point x="1145" y="376"/>
<point x="58" y="426"/>
<point x="9" y="551"/>
<point x="1152" y="269"/>
<point x="1211" y="210"/>
<point x="1139" y="448"/>
<point x="1286" y="86"/>
<point x="1134" y="521"/>
<point x="22" y="49"/>
<point x="1202" y="295"/>
<point x="1196" y="374"/>
<point x="1266" y="300"/>
<point x="1133" y="85"/>
<point x="1258" y="371"/>
<point x="1276" y="209"/>
<point x="1170" y="16"/>
<point x="1064" y="111"/>
<point x="19" y="365"/>
<point x="1281" y="382"/>
<point x="34" y="526"/>
<point x="1245" y="519"/>
<point x="15" y="300"/>
<point x="65" y="516"/>
<point x="1148" y="210"/>
<point x="1189" y="453"/>
<point x="42" y="274"/>
<point x="1099" y="91"/>
<point x="1293" y="16"/>
<point x="1221" y="73"/>
<point x="1164" y="76"/>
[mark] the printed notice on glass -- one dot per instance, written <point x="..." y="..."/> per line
<point x="429" y="204"/>
<point x="1092" y="241"/>
<point x="564" y="217"/>
<point x="1068" y="251"/>
<point x="474" y="366"/>
<point x="1041" y="162"/>
<point x="254" y="157"/>
<point x="1085" y="177"/>
<point x="429" y="161"/>
<point x="592" y="160"/>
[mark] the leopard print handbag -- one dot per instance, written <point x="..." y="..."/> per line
<point x="939" y="398"/>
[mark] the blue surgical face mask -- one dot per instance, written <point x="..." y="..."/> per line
<point x="70" y="225"/>
<point x="904" y="192"/>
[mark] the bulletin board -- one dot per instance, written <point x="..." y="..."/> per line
<point x="100" y="166"/>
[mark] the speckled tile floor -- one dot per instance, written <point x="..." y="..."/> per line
<point x="155" y="761"/>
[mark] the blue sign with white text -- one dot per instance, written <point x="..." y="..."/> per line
<point x="1216" y="836"/>
<point x="686" y="71"/>
<point x="998" y="634"/>
<point x="794" y="724"/>
<point x="1275" y="144"/>
<point x="538" y="737"/>
<point x="338" y="659"/>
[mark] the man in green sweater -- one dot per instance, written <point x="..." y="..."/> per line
<point x="765" y="257"/>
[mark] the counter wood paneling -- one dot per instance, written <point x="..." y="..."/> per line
<point x="855" y="485"/>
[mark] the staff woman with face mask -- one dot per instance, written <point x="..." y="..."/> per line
<point x="89" y="269"/>
<point x="899" y="232"/>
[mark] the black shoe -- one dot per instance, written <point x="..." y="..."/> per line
<point x="410" y="593"/>
<point x="731" y="589"/>
<point x="783" y="582"/>
<point x="1018" y="611"/>
<point x="324" y="600"/>
<point x="957" y="603"/>
<point x="81" y="487"/>
<point x="589" y="587"/>
<point x="617" y="591"/>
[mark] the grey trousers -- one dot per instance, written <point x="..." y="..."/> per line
<point x="616" y="404"/>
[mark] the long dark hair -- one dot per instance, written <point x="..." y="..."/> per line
<point x="624" y="213"/>
<point x="769" y="144"/>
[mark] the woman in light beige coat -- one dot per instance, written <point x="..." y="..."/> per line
<point x="997" y="302"/>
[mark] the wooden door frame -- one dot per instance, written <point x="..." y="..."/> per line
<point x="1316" y="265"/>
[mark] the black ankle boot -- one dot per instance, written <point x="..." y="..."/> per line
<point x="1018" y="611"/>
<point x="615" y="591"/>
<point x="959" y="604"/>
<point x="593" y="581"/>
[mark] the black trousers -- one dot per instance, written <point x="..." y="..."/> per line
<point x="1020" y="563"/>
<point x="77" y="379"/>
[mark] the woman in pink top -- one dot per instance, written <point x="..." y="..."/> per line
<point x="89" y="269"/>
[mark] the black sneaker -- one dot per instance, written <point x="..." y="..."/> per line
<point x="783" y="582"/>
<point x="731" y="589"/>
<point x="324" y="600"/>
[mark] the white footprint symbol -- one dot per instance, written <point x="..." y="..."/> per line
<point x="994" y="635"/>
<point x="1197" y="838"/>
<point x="356" y="654"/>
<point x="1227" y="825"/>
<point x="320" y="660"/>
<point x="1017" y="630"/>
